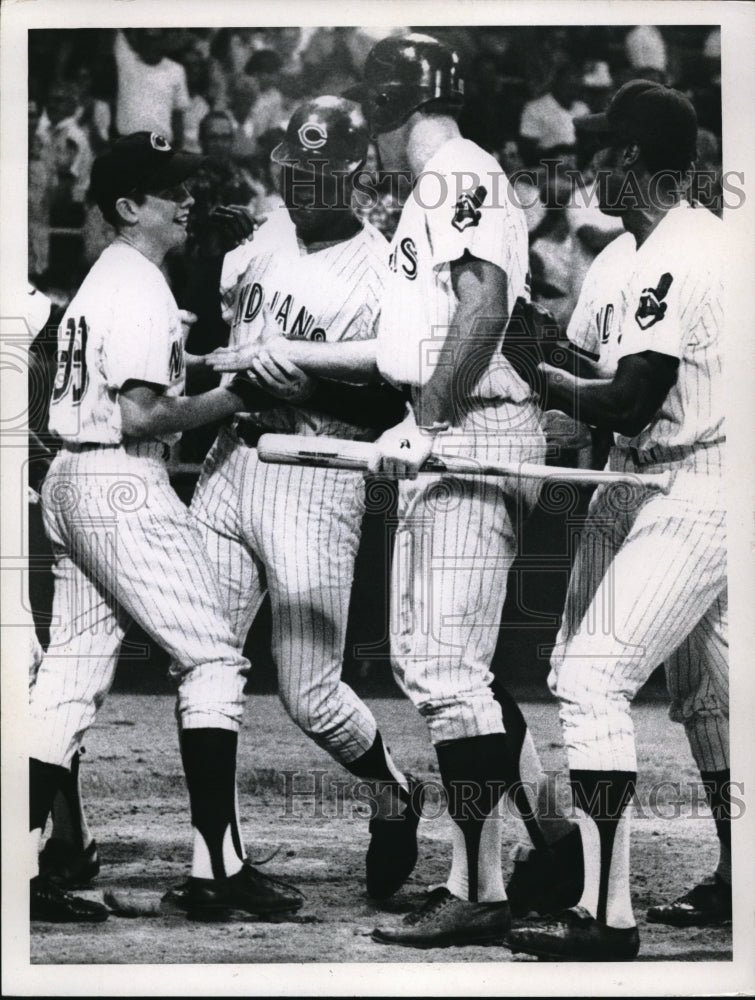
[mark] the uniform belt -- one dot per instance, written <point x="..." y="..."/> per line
<point x="247" y="431"/>
<point x="155" y="449"/>
<point x="673" y="453"/>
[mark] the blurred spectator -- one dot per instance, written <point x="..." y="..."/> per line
<point x="547" y="122"/>
<point x="269" y="110"/>
<point x="705" y="184"/>
<point x="219" y="182"/>
<point x="597" y="85"/>
<point x="64" y="149"/>
<point x="152" y="92"/>
<point x="646" y="53"/>
<point x="712" y="55"/>
<point x="241" y="95"/>
<point x="197" y="69"/>
<point x="327" y="64"/>
<point x="230" y="50"/>
<point x="93" y="115"/>
<point x="525" y="191"/>
<point x="267" y="180"/>
<point x="39" y="195"/>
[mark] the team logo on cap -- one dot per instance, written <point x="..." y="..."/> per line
<point x="159" y="142"/>
<point x="313" y="135"/>
<point x="466" y="212"/>
<point x="652" y="308"/>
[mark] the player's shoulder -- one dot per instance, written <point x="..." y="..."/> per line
<point x="621" y="249"/>
<point x="374" y="245"/>
<point x="460" y="156"/>
<point x="691" y="238"/>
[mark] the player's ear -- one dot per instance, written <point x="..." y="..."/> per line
<point x="630" y="154"/>
<point x="127" y="209"/>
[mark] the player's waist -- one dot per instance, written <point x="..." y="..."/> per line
<point x="249" y="430"/>
<point x="139" y="449"/>
<point x="702" y="456"/>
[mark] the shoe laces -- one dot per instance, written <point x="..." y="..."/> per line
<point x="436" y="901"/>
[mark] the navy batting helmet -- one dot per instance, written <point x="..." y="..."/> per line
<point x="328" y="133"/>
<point x="405" y="72"/>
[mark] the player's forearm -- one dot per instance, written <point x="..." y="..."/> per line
<point x="173" y="414"/>
<point x="598" y="402"/>
<point x="471" y="342"/>
<point x="348" y="361"/>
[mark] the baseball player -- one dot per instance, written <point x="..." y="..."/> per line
<point x="458" y="262"/>
<point x="649" y="581"/>
<point x="124" y="544"/>
<point x="314" y="272"/>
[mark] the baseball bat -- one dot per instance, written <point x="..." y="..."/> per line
<point x="340" y="453"/>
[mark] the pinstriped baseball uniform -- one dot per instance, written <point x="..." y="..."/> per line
<point x="649" y="580"/>
<point x="456" y="538"/>
<point x="294" y="531"/>
<point x="124" y="544"/>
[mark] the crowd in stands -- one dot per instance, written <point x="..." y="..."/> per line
<point x="228" y="93"/>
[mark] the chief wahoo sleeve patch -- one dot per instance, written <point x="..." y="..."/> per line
<point x="652" y="308"/>
<point x="466" y="209"/>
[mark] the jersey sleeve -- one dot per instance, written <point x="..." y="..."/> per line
<point x="465" y="224"/>
<point x="660" y="309"/>
<point x="138" y="345"/>
<point x="582" y="330"/>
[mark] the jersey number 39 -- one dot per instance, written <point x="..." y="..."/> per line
<point x="72" y="363"/>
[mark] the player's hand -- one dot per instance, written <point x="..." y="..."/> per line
<point x="232" y="359"/>
<point x="233" y="225"/>
<point x="188" y="319"/>
<point x="279" y="376"/>
<point x="549" y="378"/>
<point x="402" y="450"/>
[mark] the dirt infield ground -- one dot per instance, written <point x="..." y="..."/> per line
<point x="138" y="807"/>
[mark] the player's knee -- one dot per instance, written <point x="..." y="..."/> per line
<point x="578" y="683"/>
<point x="313" y="714"/>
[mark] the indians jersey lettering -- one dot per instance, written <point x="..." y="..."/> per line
<point x="275" y="287"/>
<point x="442" y="221"/>
<point x="108" y="336"/>
<point x="665" y="297"/>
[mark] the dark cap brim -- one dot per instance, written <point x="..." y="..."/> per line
<point x="595" y="124"/>
<point x="356" y="93"/>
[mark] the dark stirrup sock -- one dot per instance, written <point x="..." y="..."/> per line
<point x="44" y="781"/>
<point x="603" y="795"/>
<point x="209" y="759"/>
<point x="473" y="776"/>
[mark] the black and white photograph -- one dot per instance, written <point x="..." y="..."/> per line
<point x="377" y="487"/>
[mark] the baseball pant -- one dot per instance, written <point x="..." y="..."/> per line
<point x="648" y="586"/>
<point x="455" y="543"/>
<point x="126" y="548"/>
<point x="293" y="532"/>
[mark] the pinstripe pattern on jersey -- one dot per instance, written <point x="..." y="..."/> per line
<point x="645" y="576"/>
<point x="333" y="293"/>
<point x="420" y="302"/>
<point x="126" y="548"/>
<point x="133" y="331"/>
<point x="293" y="532"/>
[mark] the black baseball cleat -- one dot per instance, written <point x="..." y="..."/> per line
<point x="53" y="904"/>
<point x="248" y="891"/>
<point x="549" y="880"/>
<point x="69" y="866"/>
<point x="707" y="905"/>
<point x="576" y="936"/>
<point x="444" y="920"/>
<point x="392" y="853"/>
